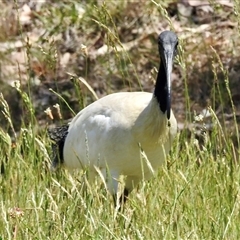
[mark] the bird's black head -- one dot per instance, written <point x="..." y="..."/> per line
<point x="167" y="40"/>
<point x="167" y="45"/>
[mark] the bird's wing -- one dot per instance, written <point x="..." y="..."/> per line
<point x="114" y="109"/>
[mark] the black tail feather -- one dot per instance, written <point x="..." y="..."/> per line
<point x="58" y="136"/>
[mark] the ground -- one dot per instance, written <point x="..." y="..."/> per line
<point x="113" y="47"/>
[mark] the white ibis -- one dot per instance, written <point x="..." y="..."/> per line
<point x="110" y="134"/>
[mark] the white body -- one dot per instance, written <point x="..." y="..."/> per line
<point x="107" y="135"/>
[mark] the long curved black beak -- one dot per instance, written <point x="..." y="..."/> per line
<point x="168" y="63"/>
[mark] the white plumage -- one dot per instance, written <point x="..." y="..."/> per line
<point x="110" y="133"/>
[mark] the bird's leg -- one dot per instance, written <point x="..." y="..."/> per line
<point x="119" y="202"/>
<point x="111" y="181"/>
<point x="124" y="196"/>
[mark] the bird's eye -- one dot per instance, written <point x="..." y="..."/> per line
<point x="160" y="45"/>
<point x="176" y="50"/>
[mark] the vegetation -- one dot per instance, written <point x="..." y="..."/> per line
<point x="57" y="57"/>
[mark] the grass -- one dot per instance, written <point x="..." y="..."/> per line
<point x="194" y="196"/>
<point x="197" y="197"/>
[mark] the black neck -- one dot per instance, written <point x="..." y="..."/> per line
<point x="160" y="91"/>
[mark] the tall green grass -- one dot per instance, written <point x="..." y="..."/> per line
<point x="194" y="196"/>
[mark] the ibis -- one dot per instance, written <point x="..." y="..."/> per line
<point x="122" y="134"/>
